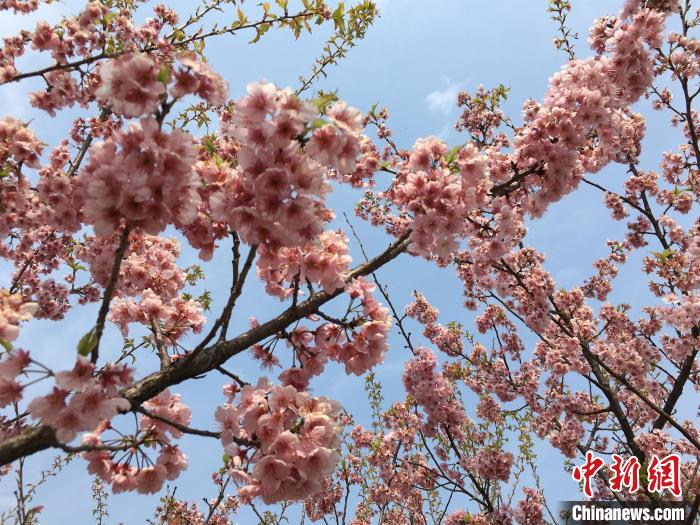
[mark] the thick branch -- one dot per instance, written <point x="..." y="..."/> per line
<point x="677" y="391"/>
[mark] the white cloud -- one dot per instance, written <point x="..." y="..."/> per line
<point x="443" y="100"/>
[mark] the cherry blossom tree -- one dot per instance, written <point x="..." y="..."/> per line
<point x="161" y="157"/>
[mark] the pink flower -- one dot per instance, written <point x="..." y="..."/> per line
<point x="271" y="473"/>
<point x="49" y="406"/>
<point x="259" y="102"/>
<point x="149" y="480"/>
<point x="10" y="391"/>
<point x="285" y="446"/>
<point x="173" y="460"/>
<point x="227" y="416"/>
<point x="169" y="407"/>
<point x="77" y="379"/>
<point x="130" y="84"/>
<point x="198" y="77"/>
<point x="67" y="423"/>
<point x="96" y="406"/>
<point x="345" y="116"/>
<point x="282" y="397"/>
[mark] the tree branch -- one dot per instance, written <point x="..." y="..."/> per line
<point x="42" y="437"/>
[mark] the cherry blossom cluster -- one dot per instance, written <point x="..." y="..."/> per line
<point x="174" y="317"/>
<point x="130" y="85"/>
<point x="338" y="143"/>
<point x="276" y="195"/>
<point x="60" y="202"/>
<point x="146" y="477"/>
<point x="433" y="392"/>
<point x="435" y="197"/>
<point x="359" y="343"/>
<point x="18" y="143"/>
<point x="150" y="262"/>
<point x="194" y="77"/>
<point x="80" y="400"/>
<point x="134" y="84"/>
<point x="13" y="310"/>
<point x="491" y="464"/>
<point x="590" y="97"/>
<point x="214" y="172"/>
<point x="369" y="342"/>
<point x="447" y="339"/>
<point x="323" y="261"/>
<point x="295" y="437"/>
<point x="141" y="177"/>
<point x="20" y="6"/>
<point x="76" y="35"/>
<point x="124" y="81"/>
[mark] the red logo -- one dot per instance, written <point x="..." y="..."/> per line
<point x="663" y="474"/>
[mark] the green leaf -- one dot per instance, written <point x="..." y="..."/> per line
<point x="318" y="123"/>
<point x="164" y="75"/>
<point x="664" y="255"/>
<point x="6" y="344"/>
<point x="451" y="155"/>
<point x="208" y="144"/>
<point x="87" y="343"/>
<point x="324" y="100"/>
<point x="179" y="35"/>
<point x="242" y="19"/>
<point x="339" y="17"/>
<point x="260" y="31"/>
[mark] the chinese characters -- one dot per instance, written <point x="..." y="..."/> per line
<point x="662" y="474"/>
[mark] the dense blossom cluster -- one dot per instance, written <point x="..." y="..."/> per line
<point x="130" y="85"/>
<point x="296" y="434"/>
<point x="276" y="194"/>
<point x="142" y="177"/>
<point x="436" y="198"/>
<point x="491" y="464"/>
<point x="433" y="392"/>
<point x="150" y="262"/>
<point x="174" y="317"/>
<point x="323" y="261"/>
<point x="584" y="122"/>
<point x="134" y="84"/>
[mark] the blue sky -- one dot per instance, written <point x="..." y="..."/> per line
<point x="413" y="61"/>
